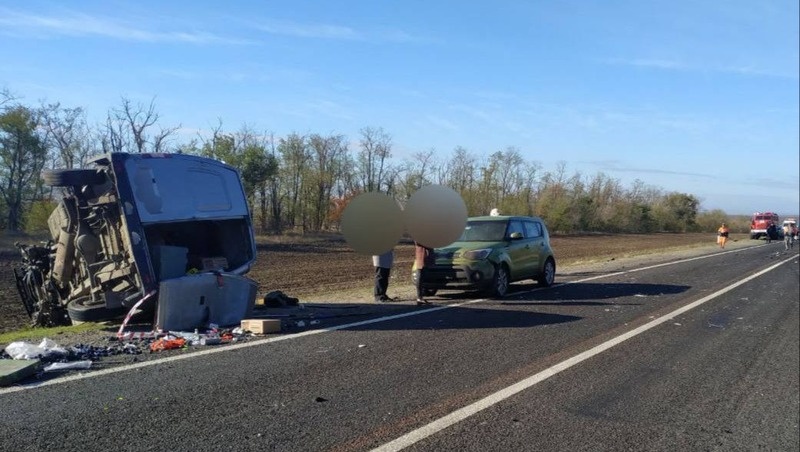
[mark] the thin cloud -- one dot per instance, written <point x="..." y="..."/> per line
<point x="654" y="63"/>
<point x="22" y="24"/>
<point x="675" y="65"/>
<point x="317" y="31"/>
<point x="335" y="32"/>
<point x="616" y="165"/>
<point x="475" y="112"/>
<point x="441" y="123"/>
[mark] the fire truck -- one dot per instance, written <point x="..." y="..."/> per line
<point x="760" y="222"/>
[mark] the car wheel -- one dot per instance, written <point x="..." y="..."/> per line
<point x="548" y="274"/>
<point x="500" y="282"/>
<point x="72" y="177"/>
<point x="81" y="310"/>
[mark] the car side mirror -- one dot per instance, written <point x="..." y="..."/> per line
<point x="515" y="236"/>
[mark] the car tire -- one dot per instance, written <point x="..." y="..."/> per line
<point x="548" y="275"/>
<point x="500" y="282"/>
<point x="80" y="310"/>
<point x="72" y="177"/>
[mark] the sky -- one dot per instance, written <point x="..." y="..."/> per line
<point x="697" y="97"/>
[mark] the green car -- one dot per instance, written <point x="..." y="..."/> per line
<point x="492" y="252"/>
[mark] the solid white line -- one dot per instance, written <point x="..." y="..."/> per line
<point x="469" y="410"/>
<point x="123" y="368"/>
<point x="210" y="351"/>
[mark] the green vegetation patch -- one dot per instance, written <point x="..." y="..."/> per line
<point x="35" y="334"/>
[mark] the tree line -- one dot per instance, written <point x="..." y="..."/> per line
<point x="302" y="182"/>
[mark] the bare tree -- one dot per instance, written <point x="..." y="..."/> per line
<point x="294" y="162"/>
<point x="67" y="134"/>
<point x="326" y="168"/>
<point x="127" y="129"/>
<point x="416" y="173"/>
<point x="376" y="148"/>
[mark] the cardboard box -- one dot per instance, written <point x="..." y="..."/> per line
<point x="262" y="326"/>
<point x="214" y="263"/>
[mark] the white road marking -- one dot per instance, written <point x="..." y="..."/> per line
<point x="469" y="410"/>
<point x="258" y="342"/>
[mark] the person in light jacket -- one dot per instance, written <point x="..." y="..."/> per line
<point x="788" y="235"/>
<point x="383" y="268"/>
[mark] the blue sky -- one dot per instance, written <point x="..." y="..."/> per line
<point x="689" y="96"/>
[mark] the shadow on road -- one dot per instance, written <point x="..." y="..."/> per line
<point x="467" y="318"/>
<point x="590" y="292"/>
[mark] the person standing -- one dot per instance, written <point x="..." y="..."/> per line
<point x="424" y="258"/>
<point x="722" y="235"/>
<point x="788" y="236"/>
<point x="383" y="268"/>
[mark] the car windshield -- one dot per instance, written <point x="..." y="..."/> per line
<point x="483" y="231"/>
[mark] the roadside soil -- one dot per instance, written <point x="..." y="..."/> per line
<point x="323" y="269"/>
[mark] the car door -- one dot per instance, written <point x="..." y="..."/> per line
<point x="535" y="239"/>
<point x="519" y="251"/>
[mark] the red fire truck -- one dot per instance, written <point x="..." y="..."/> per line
<point x="760" y="222"/>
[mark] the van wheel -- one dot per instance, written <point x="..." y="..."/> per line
<point x="72" y="177"/>
<point x="80" y="310"/>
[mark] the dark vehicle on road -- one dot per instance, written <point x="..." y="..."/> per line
<point x="491" y="253"/>
<point x="134" y="225"/>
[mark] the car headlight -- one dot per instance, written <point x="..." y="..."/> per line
<point x="477" y="255"/>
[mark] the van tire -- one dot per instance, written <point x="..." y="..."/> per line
<point x="72" y="177"/>
<point x="80" y="311"/>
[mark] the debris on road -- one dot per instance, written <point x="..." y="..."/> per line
<point x="13" y="371"/>
<point x="167" y="343"/>
<point x="261" y="326"/>
<point x="277" y="299"/>
<point x="71" y="365"/>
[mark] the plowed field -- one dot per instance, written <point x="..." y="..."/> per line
<point x="325" y="269"/>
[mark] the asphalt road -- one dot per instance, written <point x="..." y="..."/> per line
<point x="702" y="354"/>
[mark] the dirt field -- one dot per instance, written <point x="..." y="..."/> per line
<point x="324" y="269"/>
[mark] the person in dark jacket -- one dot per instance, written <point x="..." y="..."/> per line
<point x="771" y="232"/>
<point x="424" y="258"/>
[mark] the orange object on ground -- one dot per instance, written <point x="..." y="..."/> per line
<point x="167" y="344"/>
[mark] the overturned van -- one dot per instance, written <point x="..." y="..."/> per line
<point x="134" y="226"/>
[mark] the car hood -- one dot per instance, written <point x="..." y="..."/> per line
<point x="454" y="250"/>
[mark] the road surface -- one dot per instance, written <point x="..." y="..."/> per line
<point x="698" y="354"/>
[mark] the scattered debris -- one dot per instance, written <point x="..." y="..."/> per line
<point x="167" y="343"/>
<point x="12" y="371"/>
<point x="277" y="299"/>
<point x="47" y="349"/>
<point x="71" y="365"/>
